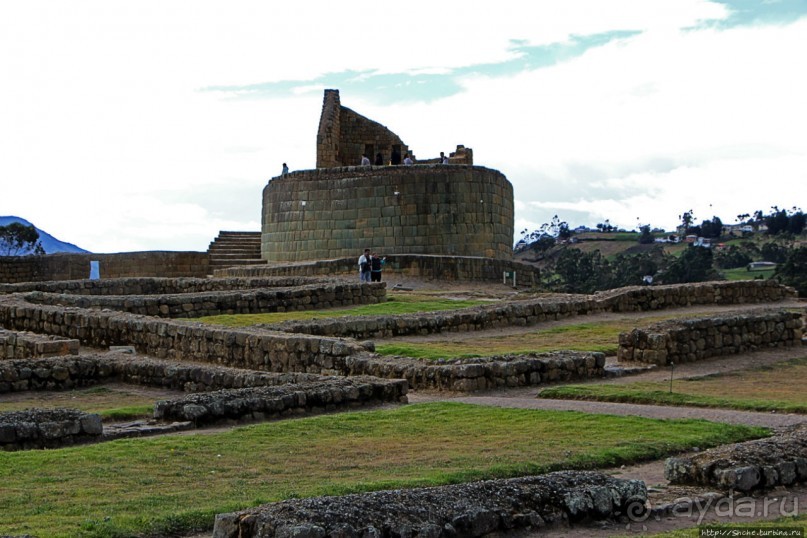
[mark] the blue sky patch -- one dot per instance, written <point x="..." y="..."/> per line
<point x="427" y="87"/>
<point x="751" y="12"/>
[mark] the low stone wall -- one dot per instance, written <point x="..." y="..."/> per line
<point x="648" y="298"/>
<point x="161" y="286"/>
<point x="47" y="428"/>
<point x="752" y="465"/>
<point x="533" y="311"/>
<point x="467" y="375"/>
<point x="64" y="266"/>
<point x="449" y="268"/>
<point x="65" y="373"/>
<point x="473" y="509"/>
<point x="680" y="341"/>
<point x="193" y="305"/>
<point x="20" y="345"/>
<point x="181" y="340"/>
<point x="262" y="403"/>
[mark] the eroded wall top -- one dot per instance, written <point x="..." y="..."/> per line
<point x="344" y="136"/>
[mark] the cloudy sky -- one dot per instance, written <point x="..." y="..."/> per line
<point x="152" y="125"/>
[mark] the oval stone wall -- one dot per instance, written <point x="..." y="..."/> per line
<point x="438" y="209"/>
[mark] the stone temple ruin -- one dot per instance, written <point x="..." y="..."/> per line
<point x="341" y="208"/>
<point x="59" y="331"/>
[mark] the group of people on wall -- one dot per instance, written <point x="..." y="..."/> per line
<point x="370" y="266"/>
<point x="396" y="159"/>
<point x="379" y="161"/>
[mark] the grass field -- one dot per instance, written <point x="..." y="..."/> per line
<point x="735" y="529"/>
<point x="110" y="403"/>
<point x="741" y="273"/>
<point x="599" y="336"/>
<point x="779" y="387"/>
<point x="396" y="304"/>
<point x="177" y="483"/>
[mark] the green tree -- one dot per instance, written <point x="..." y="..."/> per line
<point x="582" y="272"/>
<point x="17" y="238"/>
<point x="646" y="237"/>
<point x="712" y="228"/>
<point x="772" y="252"/>
<point x="694" y="265"/>
<point x="732" y="256"/>
<point x="630" y="269"/>
<point x="793" y="272"/>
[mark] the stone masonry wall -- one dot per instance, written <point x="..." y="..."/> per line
<point x="533" y="311"/>
<point x="448" y="268"/>
<point x="66" y="373"/>
<point x="680" y="341"/>
<point x="65" y="266"/>
<point x="780" y="460"/>
<point x="194" y="305"/>
<point x="473" y="374"/>
<point x="461" y="510"/>
<point x="47" y="428"/>
<point x="343" y="135"/>
<point x="159" y="286"/>
<point x="20" y="345"/>
<point x="262" y="403"/>
<point x="338" y="212"/>
<point x="181" y="340"/>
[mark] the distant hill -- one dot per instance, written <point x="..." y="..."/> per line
<point x="49" y="243"/>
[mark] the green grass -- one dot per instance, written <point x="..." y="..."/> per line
<point x="741" y="273"/>
<point x="138" y="486"/>
<point x="601" y="336"/>
<point x="799" y="521"/>
<point x="778" y="387"/>
<point x="399" y="304"/>
<point x="127" y="413"/>
<point x="111" y="404"/>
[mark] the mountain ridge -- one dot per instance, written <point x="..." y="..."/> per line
<point x="50" y="244"/>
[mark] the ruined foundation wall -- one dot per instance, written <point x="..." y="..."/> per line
<point x="486" y="508"/>
<point x="438" y="209"/>
<point x="124" y="264"/>
<point x="690" y="340"/>
<point x="246" y="301"/>
<point x="445" y="268"/>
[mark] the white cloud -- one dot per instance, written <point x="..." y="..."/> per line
<point x="107" y="141"/>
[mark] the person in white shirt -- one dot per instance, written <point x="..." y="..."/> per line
<point x="365" y="261"/>
<point x="408" y="160"/>
<point x="364" y="160"/>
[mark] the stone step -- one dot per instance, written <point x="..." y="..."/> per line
<point x="230" y="263"/>
<point x="237" y="256"/>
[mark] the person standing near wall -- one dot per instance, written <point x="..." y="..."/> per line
<point x="364" y="160"/>
<point x="285" y="170"/>
<point x="408" y="160"/>
<point x="376" y="264"/>
<point x="443" y="158"/>
<point x="365" y="261"/>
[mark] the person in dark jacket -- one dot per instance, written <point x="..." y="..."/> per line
<point x="376" y="263"/>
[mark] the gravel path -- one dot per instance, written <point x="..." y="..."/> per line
<point x="729" y="416"/>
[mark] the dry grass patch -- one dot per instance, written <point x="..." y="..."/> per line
<point x="111" y="402"/>
<point x="589" y="336"/>
<point x="778" y="387"/>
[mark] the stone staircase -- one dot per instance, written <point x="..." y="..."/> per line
<point x="235" y="248"/>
